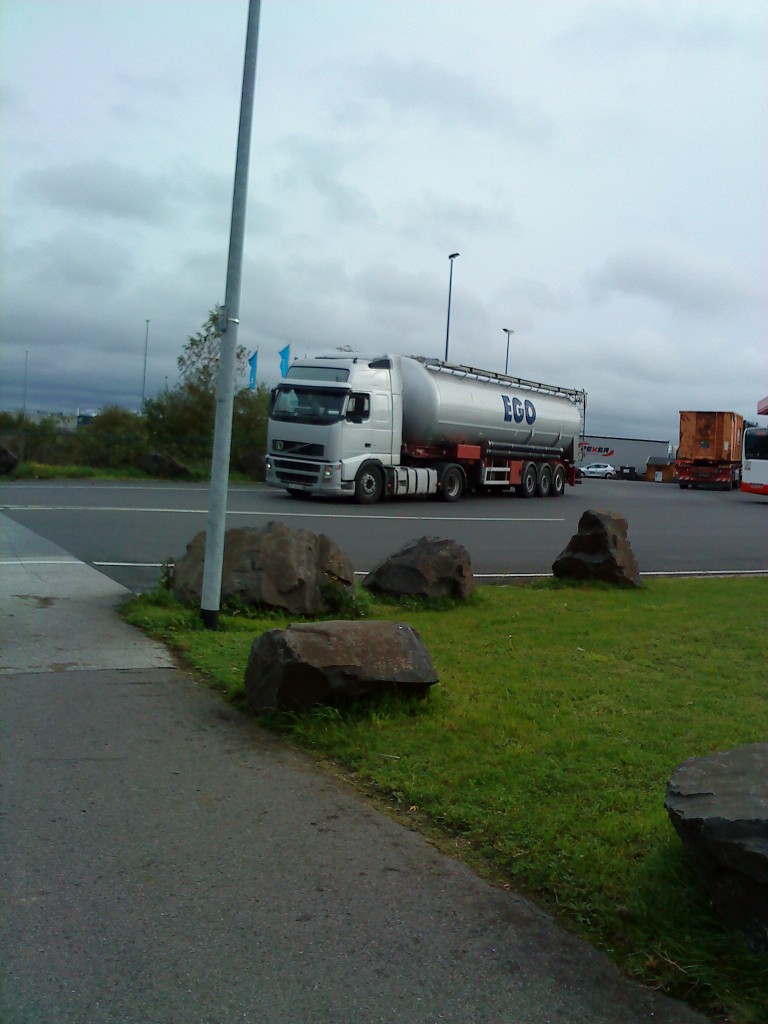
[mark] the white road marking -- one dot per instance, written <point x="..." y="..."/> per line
<point x="500" y="575"/>
<point x="272" y="514"/>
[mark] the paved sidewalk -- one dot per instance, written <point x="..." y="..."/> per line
<point x="165" y="861"/>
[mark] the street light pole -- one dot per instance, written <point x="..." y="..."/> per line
<point x="229" y="322"/>
<point x="144" y="378"/>
<point x="507" y="331"/>
<point x="452" y="257"/>
<point x="24" y="408"/>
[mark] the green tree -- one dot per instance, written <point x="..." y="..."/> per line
<point x="249" y="431"/>
<point x="199" y="360"/>
<point x="180" y="421"/>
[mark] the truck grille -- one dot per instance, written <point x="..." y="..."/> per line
<point x="293" y="471"/>
<point x="308" y="451"/>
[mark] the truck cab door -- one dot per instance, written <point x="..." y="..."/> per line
<point x="382" y="426"/>
<point x="357" y="444"/>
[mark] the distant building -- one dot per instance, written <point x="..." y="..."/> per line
<point x="630" y="453"/>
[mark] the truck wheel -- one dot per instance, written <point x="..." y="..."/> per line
<point x="528" y="481"/>
<point x="558" y="483"/>
<point x="451" y="484"/>
<point x="543" y="481"/>
<point x="369" y="485"/>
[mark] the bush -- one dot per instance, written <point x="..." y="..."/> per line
<point x="114" y="439"/>
<point x="180" y="423"/>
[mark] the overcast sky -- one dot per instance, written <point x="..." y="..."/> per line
<point x="600" y="165"/>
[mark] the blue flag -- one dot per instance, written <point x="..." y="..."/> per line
<point x="252" y="364"/>
<point x="285" y="358"/>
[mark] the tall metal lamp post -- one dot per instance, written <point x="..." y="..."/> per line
<point x="452" y="257"/>
<point x="507" y="331"/>
<point x="144" y="378"/>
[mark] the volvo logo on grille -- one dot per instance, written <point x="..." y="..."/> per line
<point x="278" y="446"/>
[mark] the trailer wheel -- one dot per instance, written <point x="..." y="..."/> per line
<point x="558" y="483"/>
<point x="369" y="485"/>
<point x="451" y="484"/>
<point x="543" y="481"/>
<point x="528" y="481"/>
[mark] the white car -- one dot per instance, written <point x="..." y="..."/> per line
<point x="600" y="469"/>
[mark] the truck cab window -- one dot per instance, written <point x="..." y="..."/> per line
<point x="358" y="407"/>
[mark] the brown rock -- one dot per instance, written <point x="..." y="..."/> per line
<point x="321" y="662"/>
<point x="428" y="567"/>
<point x="599" y="551"/>
<point x="8" y="461"/>
<point x="158" y="464"/>
<point x="276" y="567"/>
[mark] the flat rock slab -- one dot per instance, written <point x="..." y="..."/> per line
<point x="718" y="806"/>
<point x="319" y="662"/>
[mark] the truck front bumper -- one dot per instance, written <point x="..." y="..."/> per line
<point x="306" y="475"/>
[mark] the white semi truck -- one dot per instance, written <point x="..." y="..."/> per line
<point x="387" y="426"/>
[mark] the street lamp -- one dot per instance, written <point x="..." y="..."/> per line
<point x="144" y="378"/>
<point x="507" y="331"/>
<point x="452" y="257"/>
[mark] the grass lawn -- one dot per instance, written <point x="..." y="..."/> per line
<point x="542" y="756"/>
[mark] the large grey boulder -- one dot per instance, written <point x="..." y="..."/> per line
<point x="320" y="662"/>
<point x="428" y="567"/>
<point x="599" y="550"/>
<point x="719" y="807"/>
<point x="276" y="567"/>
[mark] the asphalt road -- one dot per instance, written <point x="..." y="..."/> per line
<point x="127" y="529"/>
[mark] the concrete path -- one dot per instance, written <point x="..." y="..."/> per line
<point x="165" y="861"/>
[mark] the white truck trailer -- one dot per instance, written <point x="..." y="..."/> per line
<point x="389" y="426"/>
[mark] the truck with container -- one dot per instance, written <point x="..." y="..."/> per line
<point x="709" y="453"/>
<point x="373" y="428"/>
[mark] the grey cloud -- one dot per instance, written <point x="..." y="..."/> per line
<point x="608" y="30"/>
<point x="538" y="295"/>
<point x="433" y="213"/>
<point x="321" y="165"/>
<point x="94" y="263"/>
<point x="101" y="188"/>
<point x="683" y="281"/>
<point x="416" y="87"/>
<point x="158" y="85"/>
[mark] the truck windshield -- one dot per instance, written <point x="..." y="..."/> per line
<point x="307" y="405"/>
<point x="756" y="443"/>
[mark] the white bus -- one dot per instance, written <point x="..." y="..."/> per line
<point x="754" y="468"/>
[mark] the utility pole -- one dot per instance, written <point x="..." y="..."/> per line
<point x="144" y="378"/>
<point x="452" y="257"/>
<point x="507" y="331"/>
<point x="228" y="326"/>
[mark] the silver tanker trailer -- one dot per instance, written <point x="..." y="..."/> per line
<point x="388" y="426"/>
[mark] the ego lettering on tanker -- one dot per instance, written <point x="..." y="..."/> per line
<point x="515" y="409"/>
